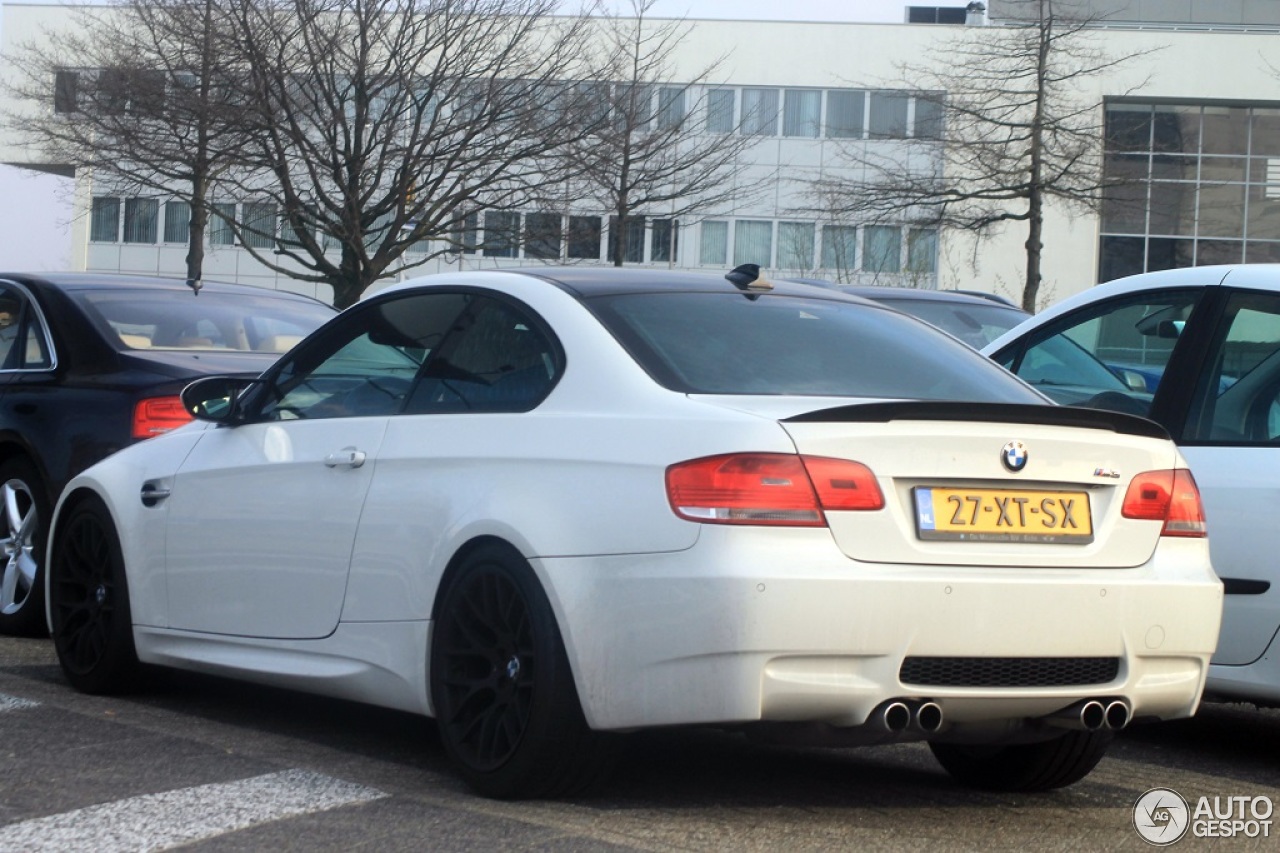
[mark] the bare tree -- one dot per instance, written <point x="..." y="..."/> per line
<point x="1002" y="126"/>
<point x="135" y="93"/>
<point x="650" y="152"/>
<point x="381" y="124"/>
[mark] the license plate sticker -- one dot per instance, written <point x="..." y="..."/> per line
<point x="1000" y="515"/>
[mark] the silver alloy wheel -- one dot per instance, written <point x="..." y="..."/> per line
<point x="19" y="543"/>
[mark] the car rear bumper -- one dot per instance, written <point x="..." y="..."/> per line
<point x="774" y="625"/>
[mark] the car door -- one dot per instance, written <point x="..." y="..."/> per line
<point x="262" y="515"/>
<point x="1231" y="439"/>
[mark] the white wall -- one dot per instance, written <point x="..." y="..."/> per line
<point x="35" y="220"/>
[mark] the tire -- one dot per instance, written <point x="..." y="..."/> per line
<point x="1040" y="766"/>
<point x="89" y="603"/>
<point x="505" y="701"/>
<point x="24" y="529"/>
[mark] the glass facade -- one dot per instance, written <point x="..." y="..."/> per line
<point x="1191" y="184"/>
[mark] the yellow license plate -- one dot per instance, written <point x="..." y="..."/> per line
<point x="998" y="515"/>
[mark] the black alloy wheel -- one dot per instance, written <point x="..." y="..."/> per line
<point x="89" y="603"/>
<point x="26" y="513"/>
<point x="504" y="695"/>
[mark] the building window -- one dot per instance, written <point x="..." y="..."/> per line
<point x="840" y="248"/>
<point x="1195" y="186"/>
<point x="795" y="245"/>
<point x="259" y="224"/>
<point x="501" y="234"/>
<point x="844" y="114"/>
<point x="584" y="238"/>
<point x="922" y="251"/>
<point x="141" y="217"/>
<point x="177" y="222"/>
<point x="220" y="232"/>
<point x="720" y="111"/>
<point x="543" y="233"/>
<point x="882" y="248"/>
<point x="104" y="220"/>
<point x="714" y="248"/>
<point x="632" y="240"/>
<point x="936" y="14"/>
<point x="633" y="106"/>
<point x="466" y="239"/>
<point x="802" y="112"/>
<point x="65" y="91"/>
<point x="888" y="115"/>
<point x="670" y="107"/>
<point x="665" y="244"/>
<point x="928" y="121"/>
<point x="752" y="242"/>
<point x="760" y="112"/>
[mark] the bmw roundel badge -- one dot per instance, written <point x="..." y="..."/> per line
<point x="1014" y="456"/>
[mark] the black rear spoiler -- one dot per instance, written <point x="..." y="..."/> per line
<point x="1005" y="413"/>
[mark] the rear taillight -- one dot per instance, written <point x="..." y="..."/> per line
<point x="157" y="415"/>
<point x="1170" y="496"/>
<point x="770" y="488"/>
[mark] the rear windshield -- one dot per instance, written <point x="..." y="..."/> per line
<point x="711" y="343"/>
<point x="975" y="324"/>
<point x="176" y="319"/>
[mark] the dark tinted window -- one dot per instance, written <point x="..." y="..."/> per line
<point x="420" y="353"/>
<point x="732" y="344"/>
<point x="496" y="358"/>
<point x="366" y="362"/>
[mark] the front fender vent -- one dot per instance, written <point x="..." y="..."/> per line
<point x="1007" y="672"/>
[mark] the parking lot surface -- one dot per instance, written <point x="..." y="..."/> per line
<point x="209" y="764"/>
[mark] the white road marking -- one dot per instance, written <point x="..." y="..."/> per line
<point x="167" y="819"/>
<point x="13" y="703"/>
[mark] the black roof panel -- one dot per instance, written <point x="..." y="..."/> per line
<point x="586" y="282"/>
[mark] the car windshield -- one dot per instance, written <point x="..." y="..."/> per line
<point x="729" y="343"/>
<point x="975" y="324"/>
<point x="176" y="319"/>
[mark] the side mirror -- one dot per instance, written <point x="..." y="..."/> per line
<point x="217" y="398"/>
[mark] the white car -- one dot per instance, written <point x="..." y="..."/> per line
<point x="1198" y="351"/>
<point x="550" y="506"/>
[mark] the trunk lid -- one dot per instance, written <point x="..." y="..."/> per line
<point x="1061" y="508"/>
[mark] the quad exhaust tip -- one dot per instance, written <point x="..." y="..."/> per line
<point x="898" y="715"/>
<point x="928" y="717"/>
<point x="895" y="716"/>
<point x="1118" y="715"/>
<point x="1091" y="715"/>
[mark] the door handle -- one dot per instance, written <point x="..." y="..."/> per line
<point x="347" y="457"/>
<point x="153" y="492"/>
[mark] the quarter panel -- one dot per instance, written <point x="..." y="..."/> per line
<point x="552" y="483"/>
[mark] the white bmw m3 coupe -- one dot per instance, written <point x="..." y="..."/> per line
<point x="547" y="507"/>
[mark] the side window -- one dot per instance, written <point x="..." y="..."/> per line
<point x="368" y="363"/>
<point x="1237" y="400"/>
<point x="495" y="359"/>
<point x="24" y="345"/>
<point x="1111" y="357"/>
